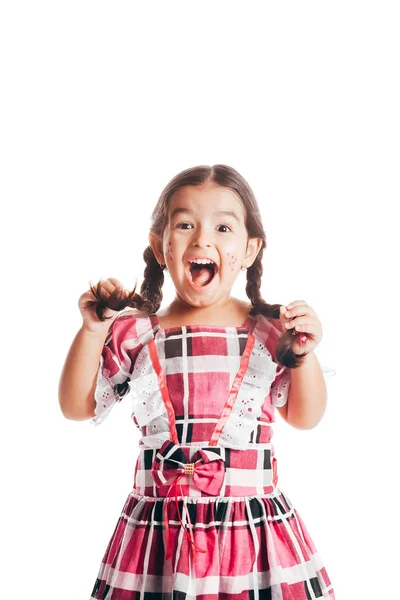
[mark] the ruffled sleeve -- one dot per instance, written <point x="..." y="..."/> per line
<point x="281" y="384"/>
<point x="280" y="387"/>
<point x="121" y="348"/>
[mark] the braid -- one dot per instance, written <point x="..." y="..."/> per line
<point x="149" y="300"/>
<point x="253" y="287"/>
<point x="151" y="289"/>
<point x="117" y="300"/>
<point x="283" y="353"/>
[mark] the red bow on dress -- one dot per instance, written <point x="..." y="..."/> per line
<point x="170" y="465"/>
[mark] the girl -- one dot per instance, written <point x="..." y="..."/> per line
<point x="206" y="516"/>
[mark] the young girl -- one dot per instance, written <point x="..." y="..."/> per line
<point x="206" y="517"/>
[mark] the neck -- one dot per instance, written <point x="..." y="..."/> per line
<point x="221" y="306"/>
<point x="230" y="309"/>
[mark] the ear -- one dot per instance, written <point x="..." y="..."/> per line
<point x="253" y="247"/>
<point x="156" y="245"/>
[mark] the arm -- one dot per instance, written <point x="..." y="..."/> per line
<point x="78" y="378"/>
<point x="307" y="397"/>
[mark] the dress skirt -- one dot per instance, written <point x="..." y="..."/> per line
<point x="256" y="547"/>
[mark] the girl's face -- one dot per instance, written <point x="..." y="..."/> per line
<point x="205" y="222"/>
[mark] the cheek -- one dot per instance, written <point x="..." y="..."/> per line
<point x="169" y="250"/>
<point x="232" y="260"/>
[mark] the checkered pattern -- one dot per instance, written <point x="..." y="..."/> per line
<point x="247" y="473"/>
<point x="253" y="542"/>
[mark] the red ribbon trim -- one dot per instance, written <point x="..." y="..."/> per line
<point x="189" y="536"/>
<point x="234" y="390"/>
<point x="164" y="390"/>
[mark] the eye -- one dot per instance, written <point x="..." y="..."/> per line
<point x="180" y="226"/>
<point x="183" y="224"/>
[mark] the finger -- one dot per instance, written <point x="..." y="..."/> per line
<point x="102" y="284"/>
<point x="115" y="281"/>
<point x="111" y="284"/>
<point x="308" y="329"/>
<point x="282" y="317"/>
<point x="282" y="311"/>
<point x="88" y="297"/>
<point x="300" y="310"/>
<point x="300" y="322"/>
<point x="296" y="321"/>
<point x="295" y="303"/>
<point x="305" y="310"/>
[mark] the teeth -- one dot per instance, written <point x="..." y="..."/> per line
<point x="202" y="261"/>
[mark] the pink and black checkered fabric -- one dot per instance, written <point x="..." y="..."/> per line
<point x="206" y="518"/>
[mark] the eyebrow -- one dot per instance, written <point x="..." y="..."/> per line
<point x="227" y="213"/>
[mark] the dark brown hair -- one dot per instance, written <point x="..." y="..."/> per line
<point x="150" y="296"/>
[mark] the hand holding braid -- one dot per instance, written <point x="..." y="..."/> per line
<point x="299" y="318"/>
<point x="150" y="296"/>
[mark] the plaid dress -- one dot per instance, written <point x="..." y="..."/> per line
<point x="206" y="518"/>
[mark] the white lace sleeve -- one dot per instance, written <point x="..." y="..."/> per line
<point x="280" y="387"/>
<point x="124" y="341"/>
<point x="105" y="395"/>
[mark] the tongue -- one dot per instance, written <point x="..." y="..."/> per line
<point x="201" y="276"/>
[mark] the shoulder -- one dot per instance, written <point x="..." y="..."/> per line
<point x="128" y="334"/>
<point x="267" y="325"/>
<point x="267" y="330"/>
<point x="132" y="313"/>
<point x="131" y="323"/>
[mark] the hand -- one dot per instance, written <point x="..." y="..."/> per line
<point x="300" y="317"/>
<point x="86" y="306"/>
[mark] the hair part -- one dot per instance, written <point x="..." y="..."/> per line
<point x="150" y="297"/>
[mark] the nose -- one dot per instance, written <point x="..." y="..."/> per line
<point x="201" y="238"/>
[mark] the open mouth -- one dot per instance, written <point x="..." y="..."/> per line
<point x="202" y="274"/>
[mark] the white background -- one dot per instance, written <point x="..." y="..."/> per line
<point x="101" y="105"/>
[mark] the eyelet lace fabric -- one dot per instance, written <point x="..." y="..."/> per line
<point x="147" y="402"/>
<point x="247" y="408"/>
<point x="129" y="333"/>
<point x="105" y="394"/>
<point x="280" y="391"/>
<point x="150" y="411"/>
